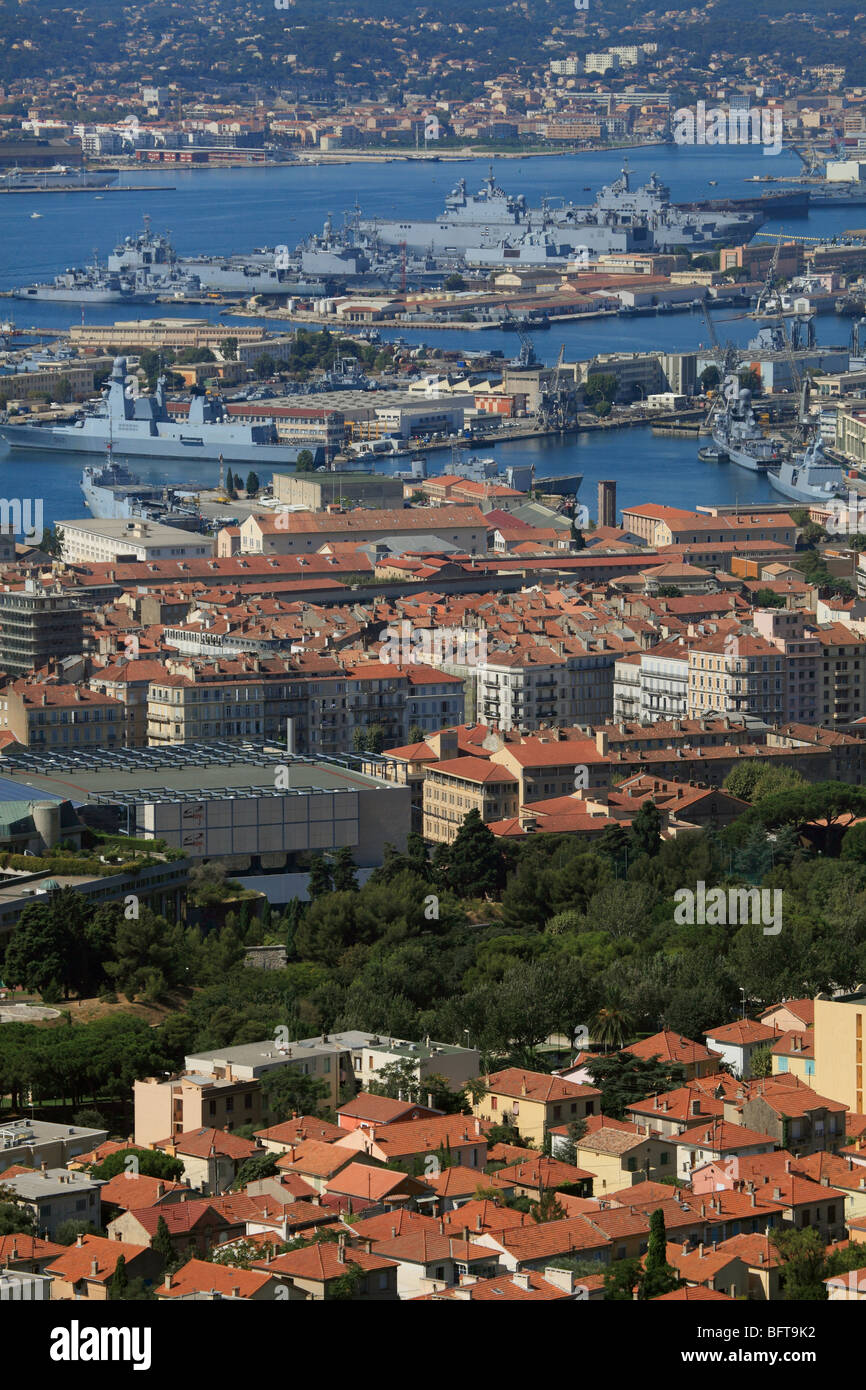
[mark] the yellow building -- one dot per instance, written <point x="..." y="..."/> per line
<point x="839" y="1025"/>
<point x="620" y="1158"/>
<point x="794" y="1055"/>
<point x="533" y="1102"/>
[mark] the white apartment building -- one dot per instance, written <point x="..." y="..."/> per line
<point x="118" y="538"/>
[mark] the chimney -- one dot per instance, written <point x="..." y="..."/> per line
<point x="523" y="1085"/>
<point x="79" y="1240"/>
<point x="341" y="1250"/>
<point x="167" y="1282"/>
<point x="160" y="1189"/>
<point x="236" y="1293"/>
<point x="94" y="1268"/>
<point x="521" y="1278"/>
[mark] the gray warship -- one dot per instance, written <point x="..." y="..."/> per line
<point x="143" y="428"/>
<point x="620" y="218"/>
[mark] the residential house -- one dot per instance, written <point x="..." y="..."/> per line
<point x="670" y="1047"/>
<point x="736" y="1043"/>
<point x="85" y="1269"/>
<point x="210" y="1157"/>
<point x="796" y="1116"/>
<point x="204" y="1280"/>
<point x="369" y="1111"/>
<point x="616" y="1156"/>
<point x="314" y="1271"/>
<point x="715" y="1267"/>
<point x="193" y="1226"/>
<point x="716" y="1139"/>
<point x="422" y="1142"/>
<point x="428" y="1261"/>
<point x="534" y="1101"/>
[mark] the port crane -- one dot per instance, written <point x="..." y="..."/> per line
<point x="557" y="408"/>
<point x="726" y="360"/>
<point x="527" y="356"/>
<point x="768" y="289"/>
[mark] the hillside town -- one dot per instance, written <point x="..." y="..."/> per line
<point x="432" y="669"/>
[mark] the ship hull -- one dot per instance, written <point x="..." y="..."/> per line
<point x="35" y="439"/>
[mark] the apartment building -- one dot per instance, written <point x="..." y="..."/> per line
<point x="802" y="652"/>
<point x="56" y="717"/>
<point x="118" y="538"/>
<point x="454" y="788"/>
<point x="737" y="674"/>
<point x="37" y="626"/>
<point x="839" y="1045"/>
<point x="653" y="684"/>
<point x="841" y="674"/>
<point x="311" y="702"/>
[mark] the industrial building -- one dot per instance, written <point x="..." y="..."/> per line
<point x="254" y="807"/>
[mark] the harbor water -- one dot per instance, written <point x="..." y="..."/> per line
<point x="220" y="211"/>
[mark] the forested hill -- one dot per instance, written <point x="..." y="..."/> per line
<point x="371" y="45"/>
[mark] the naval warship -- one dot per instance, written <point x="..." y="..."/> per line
<point x="621" y="218"/>
<point x="143" y="428"/>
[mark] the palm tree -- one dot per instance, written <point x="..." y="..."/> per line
<point x="612" y="1025"/>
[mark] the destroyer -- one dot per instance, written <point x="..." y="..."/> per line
<point x="737" y="433"/>
<point x="143" y="428"/>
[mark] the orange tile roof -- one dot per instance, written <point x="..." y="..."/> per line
<point x="78" y="1260"/>
<point x="202" y="1276"/>
<point x="536" y="1085"/>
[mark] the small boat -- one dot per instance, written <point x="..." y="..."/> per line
<point x="710" y="453"/>
<point x="714" y="183"/>
<point x="36" y="214"/>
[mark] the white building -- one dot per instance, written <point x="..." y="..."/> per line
<point x="118" y="538"/>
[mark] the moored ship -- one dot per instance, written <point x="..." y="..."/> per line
<point x="142" y="427"/>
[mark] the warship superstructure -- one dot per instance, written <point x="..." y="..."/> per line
<point x="620" y="218"/>
<point x="142" y="427"/>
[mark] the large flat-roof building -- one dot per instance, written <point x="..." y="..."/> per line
<point x="119" y="538"/>
<point x="255" y="807"/>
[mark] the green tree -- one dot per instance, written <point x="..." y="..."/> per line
<point x="252" y="484"/>
<point x="161" y="1243"/>
<point x="264" y="365"/>
<point x="119" y="1281"/>
<point x="658" y="1276"/>
<point x="623" y="1078"/>
<point x="762" y="1062"/>
<point x="15" y="1219"/>
<point x="255" y="1168"/>
<point x="152" y="1163"/>
<point x="620" y="1280"/>
<point x="285" y="1089"/>
<point x="612" y="1025"/>
<point x="68" y="1232"/>
<point x="646" y="829"/>
<point x="416" y="734"/>
<point x="320" y="880"/>
<point x="52" y="542"/>
<point x="768" y="598"/>
<point x="229" y="349"/>
<point x="345" y="879"/>
<point x="305" y="463"/>
<point x="548" y="1207"/>
<point x="63" y="390"/>
<point x="709" y="378"/>
<point x="803" y="1268"/>
<point x="474" y="859"/>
